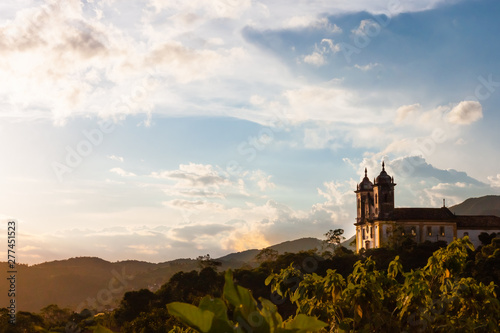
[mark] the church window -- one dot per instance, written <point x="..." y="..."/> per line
<point x="441" y="231"/>
<point x="429" y="231"/>
<point x="413" y="231"/>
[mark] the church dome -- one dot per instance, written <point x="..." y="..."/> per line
<point x="383" y="178"/>
<point x="365" y="184"/>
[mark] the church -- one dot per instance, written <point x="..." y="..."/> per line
<point x="377" y="218"/>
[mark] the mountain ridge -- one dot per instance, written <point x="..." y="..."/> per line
<point x="484" y="205"/>
<point x="71" y="283"/>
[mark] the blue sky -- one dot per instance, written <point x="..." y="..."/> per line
<point x="154" y="130"/>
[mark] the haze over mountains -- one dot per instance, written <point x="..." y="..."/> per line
<point x="94" y="282"/>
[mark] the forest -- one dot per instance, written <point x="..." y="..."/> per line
<point x="404" y="287"/>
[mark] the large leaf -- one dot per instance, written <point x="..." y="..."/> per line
<point x="303" y="323"/>
<point x="239" y="297"/>
<point x="191" y="315"/>
<point x="220" y="322"/>
<point x="270" y="313"/>
<point x="246" y="314"/>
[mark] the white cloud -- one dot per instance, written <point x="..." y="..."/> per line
<point x="315" y="58"/>
<point x="262" y="180"/>
<point x="122" y="173"/>
<point x="334" y="48"/>
<point x="366" y="67"/>
<point x="466" y="113"/>
<point x="494" y="180"/>
<point x="208" y="9"/>
<point x="115" y="158"/>
<point x="194" y="204"/>
<point x="193" y="175"/>
<point x="311" y="22"/>
<point x="406" y="111"/>
<point x="327" y="104"/>
<point x="367" y="27"/>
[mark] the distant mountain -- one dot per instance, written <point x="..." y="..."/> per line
<point x="303" y="244"/>
<point x="487" y="205"/>
<point x="94" y="282"/>
<point x="248" y="257"/>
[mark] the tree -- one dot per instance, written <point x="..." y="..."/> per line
<point x="436" y="298"/>
<point x="133" y="303"/>
<point x="211" y="316"/>
<point x="486" y="238"/>
<point x="334" y="237"/>
<point x="267" y="254"/>
<point x="206" y="261"/>
<point x="54" y="316"/>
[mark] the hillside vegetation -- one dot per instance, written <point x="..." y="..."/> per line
<point x="426" y="287"/>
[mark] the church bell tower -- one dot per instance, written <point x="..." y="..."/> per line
<point x="364" y="196"/>
<point x="383" y="192"/>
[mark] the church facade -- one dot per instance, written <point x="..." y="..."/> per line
<point x="377" y="218"/>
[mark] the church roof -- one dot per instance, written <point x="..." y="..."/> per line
<point x="383" y="177"/>
<point x="478" y="222"/>
<point x="425" y="214"/>
<point x="365" y="184"/>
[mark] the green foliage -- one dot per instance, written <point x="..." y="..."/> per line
<point x="267" y="254"/>
<point x="435" y="298"/>
<point x="211" y="316"/>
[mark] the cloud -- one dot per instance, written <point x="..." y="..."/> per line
<point x="494" y="180"/>
<point x="197" y="204"/>
<point x="193" y="175"/>
<point x="315" y="58"/>
<point x="115" y="158"/>
<point x="405" y="111"/>
<point x="314" y="22"/>
<point x="367" y="27"/>
<point x="417" y="168"/>
<point x="187" y="64"/>
<point x="215" y="9"/>
<point x="262" y="180"/>
<point x="466" y="113"/>
<point x="367" y="67"/>
<point x="122" y="173"/>
<point x="326" y="104"/>
<point x="191" y="233"/>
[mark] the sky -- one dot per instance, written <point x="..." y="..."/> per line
<point x="154" y="130"/>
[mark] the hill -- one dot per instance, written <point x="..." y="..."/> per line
<point x="77" y="283"/>
<point x="486" y="205"/>
<point x="248" y="257"/>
